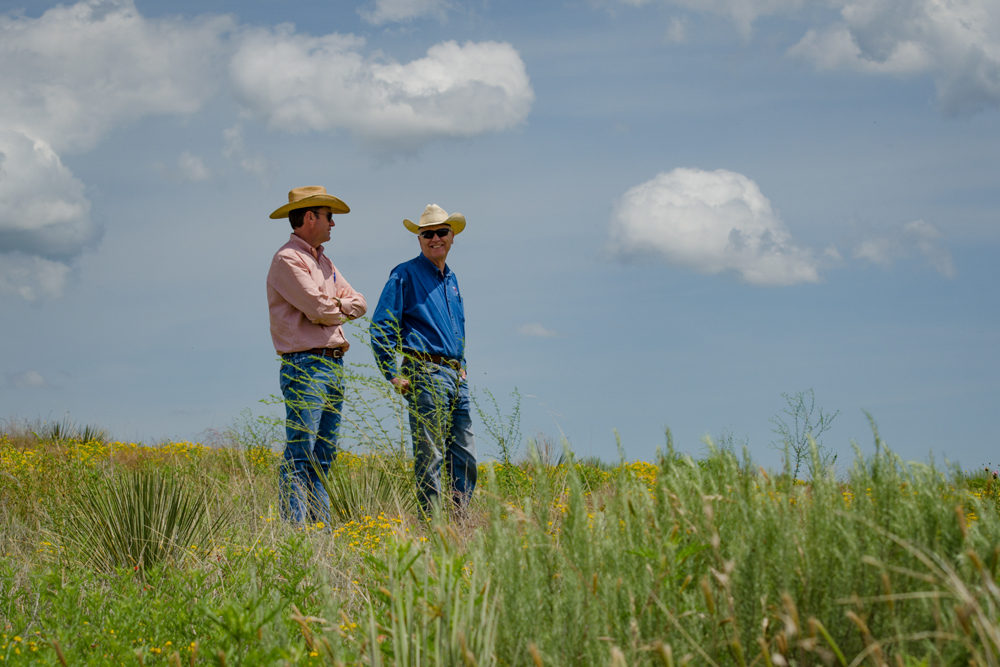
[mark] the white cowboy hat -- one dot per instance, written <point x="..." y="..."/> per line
<point x="435" y="215"/>
<point x="307" y="197"/>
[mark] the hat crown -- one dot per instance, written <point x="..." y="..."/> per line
<point x="298" y="194"/>
<point x="433" y="215"/>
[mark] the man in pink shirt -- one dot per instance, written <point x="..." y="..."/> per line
<point x="309" y="301"/>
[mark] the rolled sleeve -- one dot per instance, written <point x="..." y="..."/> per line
<point x="353" y="305"/>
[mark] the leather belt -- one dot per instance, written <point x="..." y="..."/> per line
<point x="333" y="352"/>
<point x="453" y="364"/>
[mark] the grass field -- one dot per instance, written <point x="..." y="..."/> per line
<point x="122" y="554"/>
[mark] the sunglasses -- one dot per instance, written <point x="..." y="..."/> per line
<point x="328" y="216"/>
<point x="431" y="233"/>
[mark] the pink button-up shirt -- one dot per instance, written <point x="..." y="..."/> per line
<point x="301" y="287"/>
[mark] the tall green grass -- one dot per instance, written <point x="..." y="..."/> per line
<point x="720" y="564"/>
<point x="434" y="608"/>
<point x="708" y="561"/>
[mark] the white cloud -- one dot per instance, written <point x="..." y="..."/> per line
<point x="192" y="168"/>
<point x="386" y="11"/>
<point x="28" y="380"/>
<point x="537" y="330"/>
<point x="299" y="83"/>
<point x="43" y="210"/>
<point x="917" y="237"/>
<point x="957" y="43"/>
<point x="69" y="77"/>
<point x="710" y="221"/>
<point x="74" y="73"/>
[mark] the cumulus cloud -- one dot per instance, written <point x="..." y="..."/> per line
<point x="536" y="330"/>
<point x="78" y="71"/>
<point x="711" y="222"/>
<point x="958" y="43"/>
<point x="917" y="237"/>
<point x="69" y="77"/>
<point x="397" y="11"/>
<point x="299" y="83"/>
<point x="43" y="210"/>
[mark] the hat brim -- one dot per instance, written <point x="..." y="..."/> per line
<point x="456" y="221"/>
<point x="335" y="205"/>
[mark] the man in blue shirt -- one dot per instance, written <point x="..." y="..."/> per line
<point x="420" y="315"/>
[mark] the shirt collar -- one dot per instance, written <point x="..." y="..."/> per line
<point x="431" y="266"/>
<point x="305" y="247"/>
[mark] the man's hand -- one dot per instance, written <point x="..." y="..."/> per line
<point x="402" y="384"/>
<point x="342" y="291"/>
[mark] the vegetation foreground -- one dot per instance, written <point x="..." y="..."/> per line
<point x="121" y="554"/>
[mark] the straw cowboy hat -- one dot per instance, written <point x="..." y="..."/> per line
<point x="435" y="215"/>
<point x="307" y="197"/>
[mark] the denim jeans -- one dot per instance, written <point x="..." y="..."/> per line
<point x="313" y="388"/>
<point x="441" y="428"/>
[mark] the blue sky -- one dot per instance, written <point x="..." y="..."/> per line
<point x="677" y="210"/>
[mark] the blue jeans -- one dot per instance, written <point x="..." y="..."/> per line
<point x="313" y="388"/>
<point x="441" y="428"/>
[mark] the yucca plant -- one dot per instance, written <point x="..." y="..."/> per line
<point x="69" y="430"/>
<point x="138" y="521"/>
<point x="378" y="484"/>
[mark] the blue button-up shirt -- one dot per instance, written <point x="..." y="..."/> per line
<point x="420" y="310"/>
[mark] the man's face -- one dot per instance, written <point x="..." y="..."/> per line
<point x="436" y="248"/>
<point x="319" y="225"/>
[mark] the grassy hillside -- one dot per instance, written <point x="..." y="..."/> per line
<point x="122" y="554"/>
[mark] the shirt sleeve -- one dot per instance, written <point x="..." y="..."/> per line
<point x="353" y="304"/>
<point x="292" y="280"/>
<point x="385" y="327"/>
